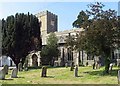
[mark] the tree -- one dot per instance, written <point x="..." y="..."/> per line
<point x="70" y="41"/>
<point x="20" y="35"/>
<point x="101" y="33"/>
<point x="50" y="52"/>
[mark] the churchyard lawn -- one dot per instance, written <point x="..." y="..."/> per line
<point x="62" y="75"/>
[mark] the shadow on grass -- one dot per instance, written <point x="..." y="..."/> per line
<point x="40" y="67"/>
<point x="8" y="79"/>
<point x="48" y="66"/>
<point x="102" y="73"/>
<point x="48" y="77"/>
<point x="20" y="77"/>
<point x="79" y="76"/>
<point x="32" y="68"/>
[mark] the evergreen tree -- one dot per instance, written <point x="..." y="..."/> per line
<point x="20" y="35"/>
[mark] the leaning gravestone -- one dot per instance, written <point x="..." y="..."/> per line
<point x="118" y="76"/>
<point x="14" y="73"/>
<point x="2" y="74"/>
<point x="20" y="66"/>
<point x="76" y="71"/>
<point x="44" y="71"/>
<point x="6" y="69"/>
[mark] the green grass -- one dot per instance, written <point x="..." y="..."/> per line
<point x="62" y="75"/>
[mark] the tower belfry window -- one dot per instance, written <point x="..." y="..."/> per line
<point x="52" y="22"/>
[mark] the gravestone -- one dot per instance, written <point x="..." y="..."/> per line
<point x="96" y="65"/>
<point x="6" y="69"/>
<point x="14" y="73"/>
<point x="99" y="65"/>
<point x="25" y="67"/>
<point x="118" y="76"/>
<point x="110" y="68"/>
<point x="76" y="71"/>
<point x="72" y="66"/>
<point x="59" y="61"/>
<point x="20" y="66"/>
<point x="2" y="74"/>
<point x="44" y="71"/>
<point x="66" y="65"/>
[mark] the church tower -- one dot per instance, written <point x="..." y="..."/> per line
<point x="119" y="8"/>
<point x="48" y="23"/>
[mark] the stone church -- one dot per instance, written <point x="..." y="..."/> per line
<point x="49" y="23"/>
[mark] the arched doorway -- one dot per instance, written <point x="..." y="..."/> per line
<point x="34" y="60"/>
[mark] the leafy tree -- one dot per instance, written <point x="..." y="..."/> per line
<point x="101" y="32"/>
<point x="20" y="35"/>
<point x="50" y="52"/>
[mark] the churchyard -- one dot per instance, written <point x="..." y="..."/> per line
<point x="63" y="75"/>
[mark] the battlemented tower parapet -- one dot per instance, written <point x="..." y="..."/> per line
<point x="48" y="22"/>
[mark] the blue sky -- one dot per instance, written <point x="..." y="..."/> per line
<point x="66" y="11"/>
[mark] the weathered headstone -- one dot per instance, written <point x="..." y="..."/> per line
<point x="6" y="69"/>
<point x="55" y="63"/>
<point x="25" y="67"/>
<point x="44" y="71"/>
<point x="118" y="76"/>
<point x="14" y="73"/>
<point x="118" y="64"/>
<point x="76" y="71"/>
<point x="66" y="65"/>
<point x="2" y="74"/>
<point x="110" y="68"/>
<point x="20" y="66"/>
<point x="96" y="65"/>
<point x="99" y="65"/>
<point x="72" y="66"/>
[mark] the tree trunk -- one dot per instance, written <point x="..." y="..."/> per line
<point x="107" y="53"/>
<point x="107" y="65"/>
<point x="52" y="62"/>
<point x="16" y="61"/>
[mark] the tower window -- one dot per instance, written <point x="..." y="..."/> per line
<point x="52" y="22"/>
